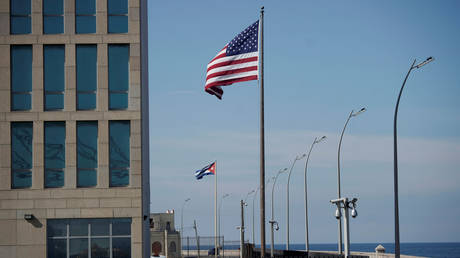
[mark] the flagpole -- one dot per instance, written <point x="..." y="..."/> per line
<point x="215" y="210"/>
<point x="262" y="135"/>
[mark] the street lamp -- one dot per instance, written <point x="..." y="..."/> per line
<point x="182" y="219"/>
<point x="346" y="205"/>
<point x="395" y="144"/>
<point x="272" y="221"/>
<point x="352" y="114"/>
<point x="287" y="199"/>
<point x="307" y="245"/>
<point x="247" y="196"/>
<point x="220" y="208"/>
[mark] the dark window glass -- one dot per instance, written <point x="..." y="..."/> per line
<point x="121" y="227"/>
<point x="117" y="15"/>
<point x="119" y="134"/>
<point x="121" y="247"/>
<point x="86" y="153"/>
<point x="53" y="72"/>
<point x="70" y="237"/>
<point x="85" y="16"/>
<point x="54" y="154"/>
<point x="86" y="76"/>
<point x="118" y="76"/>
<point x="20" y="21"/>
<point x="79" y="247"/>
<point x="78" y="227"/>
<point x="21" y="77"/>
<point x="100" y="247"/>
<point x="57" y="227"/>
<point x="21" y="154"/>
<point x="57" y="248"/>
<point x="100" y="227"/>
<point x="53" y="16"/>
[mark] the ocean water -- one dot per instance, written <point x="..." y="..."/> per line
<point x="436" y="250"/>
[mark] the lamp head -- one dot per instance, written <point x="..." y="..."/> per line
<point x="354" y="213"/>
<point x="188" y="199"/>
<point x="428" y="60"/>
<point x="337" y="213"/>
<point x="301" y="157"/>
<point x="321" y="139"/>
<point x="362" y="110"/>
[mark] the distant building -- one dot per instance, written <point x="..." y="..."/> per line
<point x="73" y="170"/>
<point x="161" y="227"/>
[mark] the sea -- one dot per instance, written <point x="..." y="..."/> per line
<point x="436" y="250"/>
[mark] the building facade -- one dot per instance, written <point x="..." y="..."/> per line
<point x="164" y="238"/>
<point x="72" y="174"/>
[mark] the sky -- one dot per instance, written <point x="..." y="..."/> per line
<point x="323" y="59"/>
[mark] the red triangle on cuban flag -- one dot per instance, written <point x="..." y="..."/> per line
<point x="212" y="169"/>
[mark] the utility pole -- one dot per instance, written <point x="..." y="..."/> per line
<point x="241" y="228"/>
<point x="197" y="239"/>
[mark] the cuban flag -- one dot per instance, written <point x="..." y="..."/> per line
<point x="238" y="61"/>
<point x="208" y="170"/>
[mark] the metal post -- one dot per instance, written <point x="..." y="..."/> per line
<point x="347" y="228"/>
<point x="307" y="244"/>
<point x="197" y="238"/>
<point x="287" y="200"/>
<point x="272" y="221"/>
<point x="262" y="135"/>
<point x="182" y="220"/>
<point x="242" y="230"/>
<point x="395" y="153"/>
<point x="166" y="243"/>
<point x="338" y="183"/>
<point x="188" y="246"/>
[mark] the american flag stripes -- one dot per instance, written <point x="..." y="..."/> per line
<point x="238" y="61"/>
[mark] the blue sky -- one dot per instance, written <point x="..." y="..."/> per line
<point x="322" y="60"/>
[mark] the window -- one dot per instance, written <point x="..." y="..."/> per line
<point x="85" y="16"/>
<point x="20" y="17"/>
<point x="21" y="77"/>
<point x="86" y="76"/>
<point x="21" y="154"/>
<point x="117" y="16"/>
<point x="102" y="238"/>
<point x="86" y="153"/>
<point x="119" y="133"/>
<point x="53" y="72"/>
<point x="54" y="154"/>
<point x="53" y="16"/>
<point x="118" y="76"/>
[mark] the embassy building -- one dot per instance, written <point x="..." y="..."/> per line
<point x="74" y="173"/>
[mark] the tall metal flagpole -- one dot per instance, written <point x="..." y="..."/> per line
<point x="262" y="135"/>
<point x="215" y="209"/>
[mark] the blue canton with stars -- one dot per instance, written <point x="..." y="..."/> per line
<point x="245" y="42"/>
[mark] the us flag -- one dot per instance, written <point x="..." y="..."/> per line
<point x="238" y="61"/>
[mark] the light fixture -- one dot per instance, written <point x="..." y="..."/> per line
<point x="337" y="213"/>
<point x="428" y="60"/>
<point x="359" y="112"/>
<point x="29" y="217"/>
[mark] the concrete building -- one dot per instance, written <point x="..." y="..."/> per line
<point x="163" y="235"/>
<point x="74" y="173"/>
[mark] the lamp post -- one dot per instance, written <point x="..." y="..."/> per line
<point x="220" y="214"/>
<point x="395" y="145"/>
<point x="352" y="114"/>
<point x="182" y="219"/>
<point x="346" y="205"/>
<point x="307" y="244"/>
<point x="272" y="221"/>
<point x="287" y="199"/>
<point x="247" y="196"/>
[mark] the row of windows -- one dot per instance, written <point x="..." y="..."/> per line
<point x="53" y="16"/>
<point x="101" y="238"/>
<point x="54" y="76"/>
<point x="54" y="153"/>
